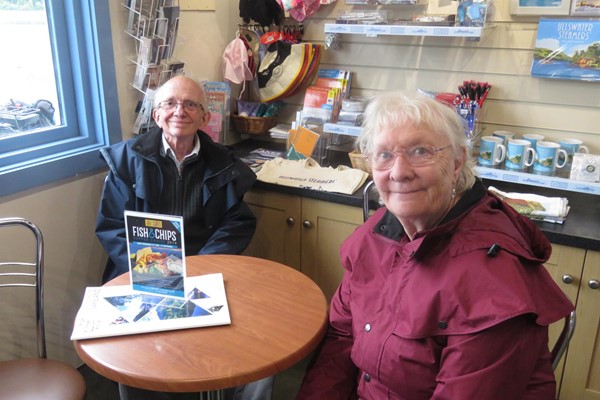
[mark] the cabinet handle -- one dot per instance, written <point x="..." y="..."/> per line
<point x="594" y="284"/>
<point x="290" y="221"/>
<point x="567" y="279"/>
<point x="307" y="224"/>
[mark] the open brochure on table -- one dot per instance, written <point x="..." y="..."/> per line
<point x="119" y="310"/>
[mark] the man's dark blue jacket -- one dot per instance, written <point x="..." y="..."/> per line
<point x="216" y="220"/>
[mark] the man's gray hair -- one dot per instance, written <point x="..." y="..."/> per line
<point x="161" y="94"/>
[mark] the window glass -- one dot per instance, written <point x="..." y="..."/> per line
<point x="28" y="98"/>
<point x="58" y="97"/>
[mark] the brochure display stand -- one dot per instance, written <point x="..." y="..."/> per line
<point x="154" y="25"/>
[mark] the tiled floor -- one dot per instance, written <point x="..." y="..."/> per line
<point x="286" y="384"/>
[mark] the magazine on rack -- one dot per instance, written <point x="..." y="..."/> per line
<point x="156" y="253"/>
<point x="218" y="97"/>
<point x="118" y="310"/>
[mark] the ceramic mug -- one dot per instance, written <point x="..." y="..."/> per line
<point x="549" y="156"/>
<point x="572" y="146"/>
<point x="533" y="138"/>
<point x="519" y="154"/>
<point x="491" y="151"/>
<point x="505" y="135"/>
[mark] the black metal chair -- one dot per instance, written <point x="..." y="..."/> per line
<point x="367" y="200"/>
<point x="35" y="378"/>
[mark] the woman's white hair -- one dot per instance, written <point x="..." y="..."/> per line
<point x="394" y="109"/>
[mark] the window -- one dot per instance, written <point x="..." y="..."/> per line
<point x="59" y="106"/>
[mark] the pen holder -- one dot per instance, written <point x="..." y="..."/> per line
<point x="472" y="130"/>
<point x="470" y="119"/>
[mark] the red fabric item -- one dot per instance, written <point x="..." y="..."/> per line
<point x="439" y="318"/>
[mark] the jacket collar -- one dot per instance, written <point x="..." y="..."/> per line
<point x="492" y="222"/>
<point x="149" y="145"/>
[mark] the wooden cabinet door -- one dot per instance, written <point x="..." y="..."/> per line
<point x="581" y="380"/>
<point x="277" y="235"/>
<point x="324" y="227"/>
<point x="565" y="265"/>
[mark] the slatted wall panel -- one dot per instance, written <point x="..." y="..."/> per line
<point x="503" y="56"/>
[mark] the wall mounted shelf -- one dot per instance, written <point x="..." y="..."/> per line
<point x="339" y="129"/>
<point x="499" y="174"/>
<point x="368" y="30"/>
<point x="524" y="178"/>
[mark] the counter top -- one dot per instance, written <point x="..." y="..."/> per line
<point x="582" y="225"/>
<point x="580" y="229"/>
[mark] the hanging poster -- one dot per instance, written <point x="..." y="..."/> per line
<point x="585" y="7"/>
<point x="567" y="49"/>
<point x="540" y="7"/>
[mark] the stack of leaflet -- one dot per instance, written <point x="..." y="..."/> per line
<point x="256" y="158"/>
<point x="323" y="100"/>
<point x="536" y="207"/>
<point x="280" y="131"/>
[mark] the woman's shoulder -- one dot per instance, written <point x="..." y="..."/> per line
<point x="480" y="287"/>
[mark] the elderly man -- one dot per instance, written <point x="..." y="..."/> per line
<point x="176" y="169"/>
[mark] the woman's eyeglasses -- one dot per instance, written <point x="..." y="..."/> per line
<point x="188" y="105"/>
<point x="417" y="156"/>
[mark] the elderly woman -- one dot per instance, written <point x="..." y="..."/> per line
<point x="444" y="294"/>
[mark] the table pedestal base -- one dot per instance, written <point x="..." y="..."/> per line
<point x="129" y="393"/>
<point x="213" y="395"/>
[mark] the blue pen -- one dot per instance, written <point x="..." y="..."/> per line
<point x="471" y="118"/>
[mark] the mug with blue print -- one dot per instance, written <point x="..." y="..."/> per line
<point x="572" y="146"/>
<point x="549" y="156"/>
<point x="491" y="151"/>
<point x="533" y="138"/>
<point x="519" y="154"/>
<point x="505" y="135"/>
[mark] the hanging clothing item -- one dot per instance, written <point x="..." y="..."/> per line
<point x="300" y="9"/>
<point x="236" y="62"/>
<point x="285" y="68"/>
<point x="252" y="38"/>
<point x="265" y="12"/>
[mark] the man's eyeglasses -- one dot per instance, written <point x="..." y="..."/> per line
<point x="188" y="105"/>
<point x="417" y="156"/>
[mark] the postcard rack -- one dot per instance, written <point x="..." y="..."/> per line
<point x="153" y="24"/>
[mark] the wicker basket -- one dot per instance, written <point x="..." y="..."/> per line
<point x="359" y="161"/>
<point x="253" y="125"/>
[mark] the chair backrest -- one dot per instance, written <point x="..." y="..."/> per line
<point x="366" y="199"/>
<point x="28" y="275"/>
<point x="563" y="340"/>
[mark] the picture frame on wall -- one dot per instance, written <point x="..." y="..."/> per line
<point x="585" y="7"/>
<point x="540" y="7"/>
<point x="566" y="49"/>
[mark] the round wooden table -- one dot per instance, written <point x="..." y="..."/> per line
<point x="278" y="317"/>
